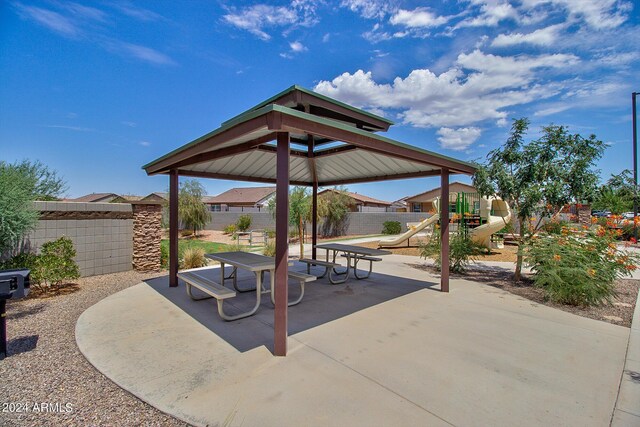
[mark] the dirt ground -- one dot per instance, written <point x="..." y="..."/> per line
<point x="620" y="312"/>
<point x="506" y="254"/>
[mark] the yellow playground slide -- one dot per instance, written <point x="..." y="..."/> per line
<point x="497" y="214"/>
<point x="397" y="241"/>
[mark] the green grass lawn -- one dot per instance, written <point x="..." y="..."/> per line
<point x="209" y="247"/>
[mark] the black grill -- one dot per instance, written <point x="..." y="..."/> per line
<point x="14" y="284"/>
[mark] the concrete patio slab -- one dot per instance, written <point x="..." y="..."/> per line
<point x="389" y="350"/>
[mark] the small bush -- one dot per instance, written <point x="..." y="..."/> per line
<point x="555" y="226"/>
<point x="244" y="222"/>
<point x="579" y="268"/>
<point x="391" y="227"/>
<point x="55" y="264"/>
<point x="229" y="229"/>
<point x="461" y="251"/>
<point x="271" y="234"/>
<point x="164" y="256"/>
<point x="186" y="233"/>
<point x="24" y="260"/>
<point x="270" y="248"/>
<point x="193" y="258"/>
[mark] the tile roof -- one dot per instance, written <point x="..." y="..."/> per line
<point x="245" y="195"/>
<point x="94" y="197"/>
<point x="362" y="198"/>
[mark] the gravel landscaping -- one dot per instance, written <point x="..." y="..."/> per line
<point x="46" y="381"/>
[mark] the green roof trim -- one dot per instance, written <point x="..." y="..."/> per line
<point x="311" y="93"/>
<point x="291" y="112"/>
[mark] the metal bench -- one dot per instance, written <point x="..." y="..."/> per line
<point x="213" y="290"/>
<point x="301" y="278"/>
<point x="358" y="258"/>
<point x="328" y="265"/>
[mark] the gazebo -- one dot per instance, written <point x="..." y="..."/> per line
<point x="303" y="138"/>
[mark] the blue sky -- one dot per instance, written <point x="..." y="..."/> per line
<point x="96" y="89"/>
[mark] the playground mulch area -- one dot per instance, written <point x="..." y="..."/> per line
<point x="507" y="254"/>
<point x="620" y="312"/>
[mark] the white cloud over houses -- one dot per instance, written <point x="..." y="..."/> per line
<point x="541" y="37"/>
<point x="258" y="19"/>
<point x="458" y="139"/>
<point x="479" y="87"/>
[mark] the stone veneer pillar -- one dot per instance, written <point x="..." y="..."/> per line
<point x="584" y="214"/>
<point x="147" y="233"/>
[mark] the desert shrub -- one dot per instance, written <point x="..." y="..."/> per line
<point x="193" y="258"/>
<point x="628" y="230"/>
<point x="186" y="233"/>
<point x="26" y="260"/>
<point x="270" y="248"/>
<point x="579" y="268"/>
<point x="55" y="264"/>
<point x="271" y="234"/>
<point x="391" y="227"/>
<point x="164" y="256"/>
<point x="244" y="222"/>
<point x="229" y="229"/>
<point x="462" y="250"/>
<point x="555" y="226"/>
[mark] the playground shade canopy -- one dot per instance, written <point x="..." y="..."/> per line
<point x="299" y="137"/>
<point x="331" y="144"/>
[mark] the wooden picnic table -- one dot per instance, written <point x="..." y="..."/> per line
<point x="353" y="254"/>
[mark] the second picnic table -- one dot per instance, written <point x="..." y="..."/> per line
<point x="353" y="254"/>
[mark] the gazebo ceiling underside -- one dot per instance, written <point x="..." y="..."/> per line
<point x="243" y="149"/>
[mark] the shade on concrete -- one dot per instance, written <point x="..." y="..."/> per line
<point x="337" y="144"/>
<point x="383" y="351"/>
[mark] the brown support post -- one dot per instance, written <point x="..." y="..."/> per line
<point x="444" y="230"/>
<point x="173" y="228"/>
<point x="280" y="331"/>
<point x="314" y="197"/>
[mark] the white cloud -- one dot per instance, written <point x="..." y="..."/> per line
<point x="145" y="143"/>
<point x="541" y="37"/>
<point x="297" y="47"/>
<point x="129" y="124"/>
<point x="479" y="87"/>
<point x="73" y="128"/>
<point x="491" y="13"/>
<point x="376" y="34"/>
<point x="370" y="9"/>
<point x="143" y="53"/>
<point x="458" y="139"/>
<point x="50" y="19"/>
<point x="596" y="13"/>
<point x="138" y="13"/>
<point x="258" y="18"/>
<point x="326" y="38"/>
<point x="85" y="12"/>
<point x="420" y="17"/>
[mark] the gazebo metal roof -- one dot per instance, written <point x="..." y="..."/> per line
<point x="300" y="137"/>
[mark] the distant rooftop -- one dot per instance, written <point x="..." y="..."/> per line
<point x="245" y="195"/>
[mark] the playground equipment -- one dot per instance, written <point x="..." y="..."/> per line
<point x="480" y="217"/>
<point x="413" y="230"/>
<point x="496" y="215"/>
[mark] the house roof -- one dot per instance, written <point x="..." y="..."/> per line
<point x="435" y="192"/>
<point x="360" y="197"/>
<point x="94" y="197"/>
<point x="243" y="148"/>
<point x="246" y="195"/>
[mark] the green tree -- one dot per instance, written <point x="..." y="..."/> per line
<point x="299" y="211"/>
<point x="191" y="209"/>
<point x="333" y="208"/>
<point x="540" y="177"/>
<point x="21" y="183"/>
<point x="616" y="195"/>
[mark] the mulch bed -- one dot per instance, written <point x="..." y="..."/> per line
<point x="622" y="307"/>
<point x="508" y="253"/>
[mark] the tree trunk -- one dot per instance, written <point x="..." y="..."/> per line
<point x="301" y="237"/>
<point x="518" y="273"/>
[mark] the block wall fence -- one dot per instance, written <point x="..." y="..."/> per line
<point x="358" y="222"/>
<point x="107" y="237"/>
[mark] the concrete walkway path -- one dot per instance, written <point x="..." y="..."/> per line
<point x="387" y="351"/>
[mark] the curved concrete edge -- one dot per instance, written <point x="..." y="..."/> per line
<point x="627" y="410"/>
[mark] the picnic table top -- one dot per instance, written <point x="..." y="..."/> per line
<point x="245" y="260"/>
<point x="353" y="249"/>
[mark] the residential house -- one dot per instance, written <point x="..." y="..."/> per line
<point x="362" y="203"/>
<point x="423" y="202"/>
<point x="246" y="199"/>
<point x="95" y="198"/>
